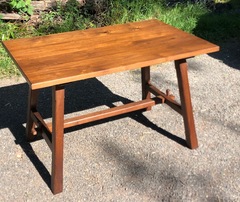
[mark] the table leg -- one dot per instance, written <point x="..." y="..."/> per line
<point x="32" y="105"/>
<point x="184" y="91"/>
<point x="145" y="74"/>
<point x="57" y="138"/>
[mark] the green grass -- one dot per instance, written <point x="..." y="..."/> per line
<point x="184" y="16"/>
<point x="235" y="3"/>
<point x="63" y="19"/>
<point x="123" y="11"/>
<point x="192" y="18"/>
<point x="7" y="67"/>
<point x="11" y="31"/>
<point x="219" y="27"/>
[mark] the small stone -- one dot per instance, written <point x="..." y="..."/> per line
<point x="19" y="155"/>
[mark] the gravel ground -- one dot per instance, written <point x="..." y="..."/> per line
<point x="138" y="157"/>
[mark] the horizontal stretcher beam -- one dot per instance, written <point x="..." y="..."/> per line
<point x="46" y="128"/>
<point x="166" y="99"/>
<point x="95" y="116"/>
<point x="107" y="113"/>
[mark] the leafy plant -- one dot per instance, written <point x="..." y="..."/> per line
<point x="7" y="30"/>
<point x="22" y="6"/>
<point x="127" y="11"/>
<point x="7" y="67"/>
<point x="181" y="15"/>
<point x="71" y="16"/>
<point x="219" y="27"/>
<point x="184" y="16"/>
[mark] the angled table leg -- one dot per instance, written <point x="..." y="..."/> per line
<point x="187" y="112"/>
<point x="145" y="76"/>
<point x="57" y="138"/>
<point x="32" y="105"/>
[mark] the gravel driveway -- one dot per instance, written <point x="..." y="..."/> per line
<point x="137" y="157"/>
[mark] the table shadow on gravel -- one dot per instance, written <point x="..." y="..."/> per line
<point x="229" y="53"/>
<point x="91" y="93"/>
<point x="156" y="179"/>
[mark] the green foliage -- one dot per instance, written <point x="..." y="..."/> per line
<point x="184" y="16"/>
<point x="22" y="6"/>
<point x="7" y="67"/>
<point x="235" y="4"/>
<point x="69" y="17"/>
<point x="123" y="11"/>
<point x="8" y="31"/>
<point x="219" y="27"/>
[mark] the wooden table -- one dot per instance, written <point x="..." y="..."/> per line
<point x="58" y="59"/>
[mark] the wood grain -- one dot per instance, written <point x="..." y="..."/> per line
<point x="186" y="104"/>
<point x="62" y="58"/>
<point x="58" y="93"/>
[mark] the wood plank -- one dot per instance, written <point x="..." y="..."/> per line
<point x="167" y="99"/>
<point x="58" y="93"/>
<point x="37" y="6"/>
<point x="95" y="116"/>
<point x="32" y="105"/>
<point x="145" y="77"/>
<point x="41" y="5"/>
<point x="40" y="120"/>
<point x="187" y="112"/>
<point x="67" y="57"/>
<point x="45" y="132"/>
<point x="10" y="16"/>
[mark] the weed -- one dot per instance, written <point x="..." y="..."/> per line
<point x="135" y="10"/>
<point x="7" y="30"/>
<point x="7" y="67"/>
<point x="22" y="6"/>
<point x="69" y="17"/>
<point x="10" y="31"/>
<point x="219" y="27"/>
<point x="184" y="16"/>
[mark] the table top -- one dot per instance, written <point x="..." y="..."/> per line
<point x="71" y="56"/>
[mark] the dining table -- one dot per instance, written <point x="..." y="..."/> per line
<point x="56" y="60"/>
